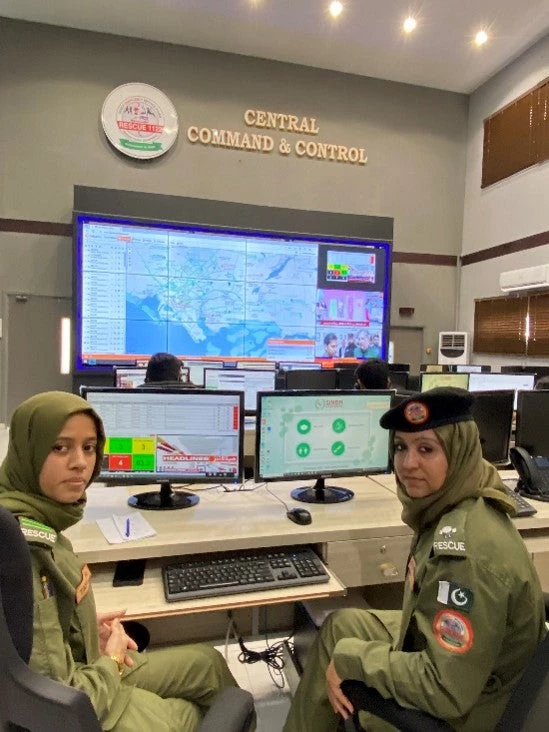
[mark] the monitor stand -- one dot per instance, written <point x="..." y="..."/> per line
<point x="165" y="499"/>
<point x="320" y="493"/>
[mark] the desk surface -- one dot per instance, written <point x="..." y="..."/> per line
<point x="249" y="519"/>
<point x="237" y="520"/>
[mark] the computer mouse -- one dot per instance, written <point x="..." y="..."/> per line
<point x="299" y="516"/>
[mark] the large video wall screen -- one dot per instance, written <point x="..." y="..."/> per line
<point x="147" y="287"/>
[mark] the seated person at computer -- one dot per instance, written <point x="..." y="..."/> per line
<point x="473" y="610"/>
<point x="165" y="369"/>
<point x="55" y="451"/>
<point x="372" y="374"/>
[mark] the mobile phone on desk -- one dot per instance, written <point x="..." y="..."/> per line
<point x="129" y="572"/>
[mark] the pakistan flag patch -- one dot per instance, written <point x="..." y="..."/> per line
<point x="455" y="595"/>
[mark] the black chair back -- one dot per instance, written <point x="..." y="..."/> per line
<point x="15" y="574"/>
<point x="28" y="700"/>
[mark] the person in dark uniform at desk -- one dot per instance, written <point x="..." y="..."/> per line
<point x="372" y="374"/>
<point x="473" y="610"/>
<point x="164" y="367"/>
<point x="55" y="451"/>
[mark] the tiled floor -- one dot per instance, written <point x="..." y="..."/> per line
<point x="271" y="703"/>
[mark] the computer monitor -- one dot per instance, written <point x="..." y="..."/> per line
<point x="129" y="377"/>
<point x="196" y="369"/>
<point x="431" y="381"/>
<point x="434" y="368"/>
<point x="493" y="413"/>
<point x="307" y="379"/>
<point x="346" y="378"/>
<point x="247" y="380"/>
<point x="257" y="365"/>
<point x="398" y="379"/>
<point x="499" y="382"/>
<point x="169" y="435"/>
<point x="471" y="368"/>
<point x="321" y="435"/>
<point x="292" y="365"/>
<point x="532" y="428"/>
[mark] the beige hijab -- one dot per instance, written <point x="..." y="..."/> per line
<point x="469" y="476"/>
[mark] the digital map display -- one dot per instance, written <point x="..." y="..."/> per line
<point x="145" y="289"/>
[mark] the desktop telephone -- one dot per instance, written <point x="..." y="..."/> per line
<point x="533" y="473"/>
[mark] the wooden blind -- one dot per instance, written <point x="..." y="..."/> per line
<point x="500" y="325"/>
<point x="538" y="311"/>
<point x="516" y="136"/>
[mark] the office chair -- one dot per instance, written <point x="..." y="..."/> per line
<point x="527" y="709"/>
<point x="30" y="701"/>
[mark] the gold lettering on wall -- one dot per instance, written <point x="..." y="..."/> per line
<point x="264" y="143"/>
<point x="279" y="121"/>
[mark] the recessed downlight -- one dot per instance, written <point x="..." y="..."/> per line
<point x="336" y="8"/>
<point x="409" y="25"/>
<point x="481" y="38"/>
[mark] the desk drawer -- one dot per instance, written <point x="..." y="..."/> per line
<point x="369" y="561"/>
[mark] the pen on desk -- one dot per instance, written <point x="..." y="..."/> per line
<point x="127" y="528"/>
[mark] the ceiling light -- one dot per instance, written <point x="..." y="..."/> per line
<point x="336" y="8"/>
<point x="409" y="24"/>
<point x="481" y="38"/>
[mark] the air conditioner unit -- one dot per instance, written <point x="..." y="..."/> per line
<point x="529" y="278"/>
<point x="453" y="347"/>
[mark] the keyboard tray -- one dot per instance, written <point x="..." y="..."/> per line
<point x="228" y="573"/>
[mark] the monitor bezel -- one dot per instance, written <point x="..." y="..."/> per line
<point x="330" y="394"/>
<point x="117" y="368"/>
<point x="531" y="394"/>
<point x="248" y="412"/>
<point x="176" y="478"/>
<point x="446" y="374"/>
<point x="499" y="392"/>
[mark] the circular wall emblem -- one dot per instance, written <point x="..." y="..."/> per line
<point x="139" y="121"/>
<point x="416" y="413"/>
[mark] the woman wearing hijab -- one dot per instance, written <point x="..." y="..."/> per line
<point x="55" y="451"/>
<point x="473" y="609"/>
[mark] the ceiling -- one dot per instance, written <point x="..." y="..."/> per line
<point x="366" y="39"/>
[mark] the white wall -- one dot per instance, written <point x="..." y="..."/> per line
<point x="506" y="211"/>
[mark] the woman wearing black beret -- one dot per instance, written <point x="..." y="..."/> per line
<point x="473" y="610"/>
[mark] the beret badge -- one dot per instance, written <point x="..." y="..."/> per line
<point x="416" y="413"/>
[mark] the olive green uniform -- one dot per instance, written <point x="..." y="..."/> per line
<point x="472" y="616"/>
<point x="165" y="690"/>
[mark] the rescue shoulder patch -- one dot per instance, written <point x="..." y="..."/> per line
<point x="449" y="536"/>
<point x="36" y="533"/>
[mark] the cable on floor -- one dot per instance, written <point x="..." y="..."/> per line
<point x="272" y="655"/>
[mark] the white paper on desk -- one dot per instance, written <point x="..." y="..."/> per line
<point x="114" y="528"/>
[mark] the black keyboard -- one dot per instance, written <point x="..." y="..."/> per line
<point x="228" y="573"/>
<point x="522" y="506"/>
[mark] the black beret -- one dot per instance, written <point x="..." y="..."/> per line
<point x="430" y="409"/>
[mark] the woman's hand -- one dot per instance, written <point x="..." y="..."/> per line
<point x="104" y="621"/>
<point x="119" y="642"/>
<point x="113" y="639"/>
<point x="338" y="700"/>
